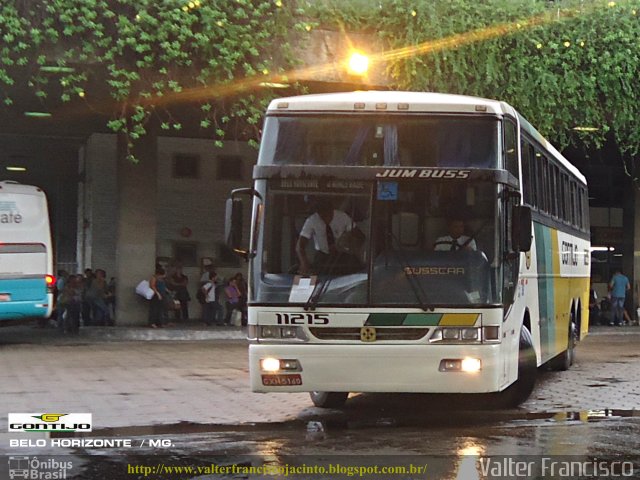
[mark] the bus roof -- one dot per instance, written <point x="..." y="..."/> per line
<point x="394" y="100"/>
<point x="417" y="102"/>
<point x="10" y="186"/>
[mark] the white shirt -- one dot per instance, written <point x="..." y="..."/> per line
<point x="444" y="244"/>
<point x="210" y="292"/>
<point x="314" y="227"/>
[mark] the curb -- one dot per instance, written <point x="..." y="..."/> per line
<point x="161" y="334"/>
<point x="28" y="334"/>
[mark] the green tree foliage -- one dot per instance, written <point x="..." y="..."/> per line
<point x="562" y="64"/>
<point x="148" y="55"/>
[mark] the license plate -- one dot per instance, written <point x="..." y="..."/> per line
<point x="5" y="297"/>
<point x="281" y="380"/>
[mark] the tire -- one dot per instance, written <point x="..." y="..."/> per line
<point x="519" y="391"/>
<point x="329" y="399"/>
<point x="564" y="361"/>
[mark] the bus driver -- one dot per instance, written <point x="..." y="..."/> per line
<point x="456" y="240"/>
<point x="326" y="226"/>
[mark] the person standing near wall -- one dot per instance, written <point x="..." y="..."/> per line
<point x="618" y="287"/>
<point x="210" y="306"/>
<point x="178" y="282"/>
<point x="157" y="283"/>
<point x="232" y="297"/>
<point x="244" y="295"/>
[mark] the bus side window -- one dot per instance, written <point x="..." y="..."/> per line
<point x="510" y="148"/>
<point x="526" y="173"/>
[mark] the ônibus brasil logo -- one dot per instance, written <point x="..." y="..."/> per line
<point x="49" y="422"/>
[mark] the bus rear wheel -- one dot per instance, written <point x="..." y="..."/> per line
<point x="519" y="391"/>
<point x="328" y="399"/>
<point x="563" y="361"/>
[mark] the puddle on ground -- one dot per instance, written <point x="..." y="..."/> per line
<point x="342" y="421"/>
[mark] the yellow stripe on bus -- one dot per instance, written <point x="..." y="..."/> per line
<point x="459" y="319"/>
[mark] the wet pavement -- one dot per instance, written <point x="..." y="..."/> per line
<point x="191" y="399"/>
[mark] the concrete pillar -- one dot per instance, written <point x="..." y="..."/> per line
<point x="98" y="204"/>
<point x="137" y="225"/>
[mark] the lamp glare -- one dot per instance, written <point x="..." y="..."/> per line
<point x="358" y="63"/>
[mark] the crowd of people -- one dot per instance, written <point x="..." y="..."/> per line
<point x="88" y="300"/>
<point x="219" y="298"/>
<point x="614" y="308"/>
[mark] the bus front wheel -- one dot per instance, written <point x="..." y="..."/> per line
<point x="328" y="399"/>
<point x="519" y="391"/>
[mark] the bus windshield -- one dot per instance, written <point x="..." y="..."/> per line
<point x="405" y="243"/>
<point x="390" y="140"/>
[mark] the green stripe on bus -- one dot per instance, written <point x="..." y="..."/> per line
<point x="385" y="319"/>
<point x="544" y="254"/>
<point x="421" y="319"/>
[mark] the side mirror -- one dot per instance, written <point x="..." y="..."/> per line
<point x="233" y="225"/>
<point x="521" y="234"/>
<point x="234" y="221"/>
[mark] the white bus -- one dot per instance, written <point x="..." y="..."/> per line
<point x="26" y="257"/>
<point x="395" y="312"/>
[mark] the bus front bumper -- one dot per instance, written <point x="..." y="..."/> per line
<point x="377" y="368"/>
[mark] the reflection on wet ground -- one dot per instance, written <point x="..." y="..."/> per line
<point x="450" y="441"/>
<point x="340" y="421"/>
<point x="377" y="430"/>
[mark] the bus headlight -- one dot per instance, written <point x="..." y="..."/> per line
<point x="276" y="332"/>
<point x="450" y="333"/>
<point x="456" y="335"/>
<point x="467" y="365"/>
<point x="489" y="334"/>
<point x="269" y="331"/>
<point x="289" y="332"/>
<point x="274" y="365"/>
<point x="470" y="334"/>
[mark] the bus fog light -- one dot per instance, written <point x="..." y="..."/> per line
<point x="450" y="333"/>
<point x="470" y="334"/>
<point x="270" y="364"/>
<point x="449" y="365"/>
<point x="290" y="365"/>
<point x="471" y="365"/>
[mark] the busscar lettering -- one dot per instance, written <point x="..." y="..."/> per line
<point x="434" y="270"/>
<point x="446" y="173"/>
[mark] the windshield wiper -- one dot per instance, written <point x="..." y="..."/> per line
<point x="321" y="287"/>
